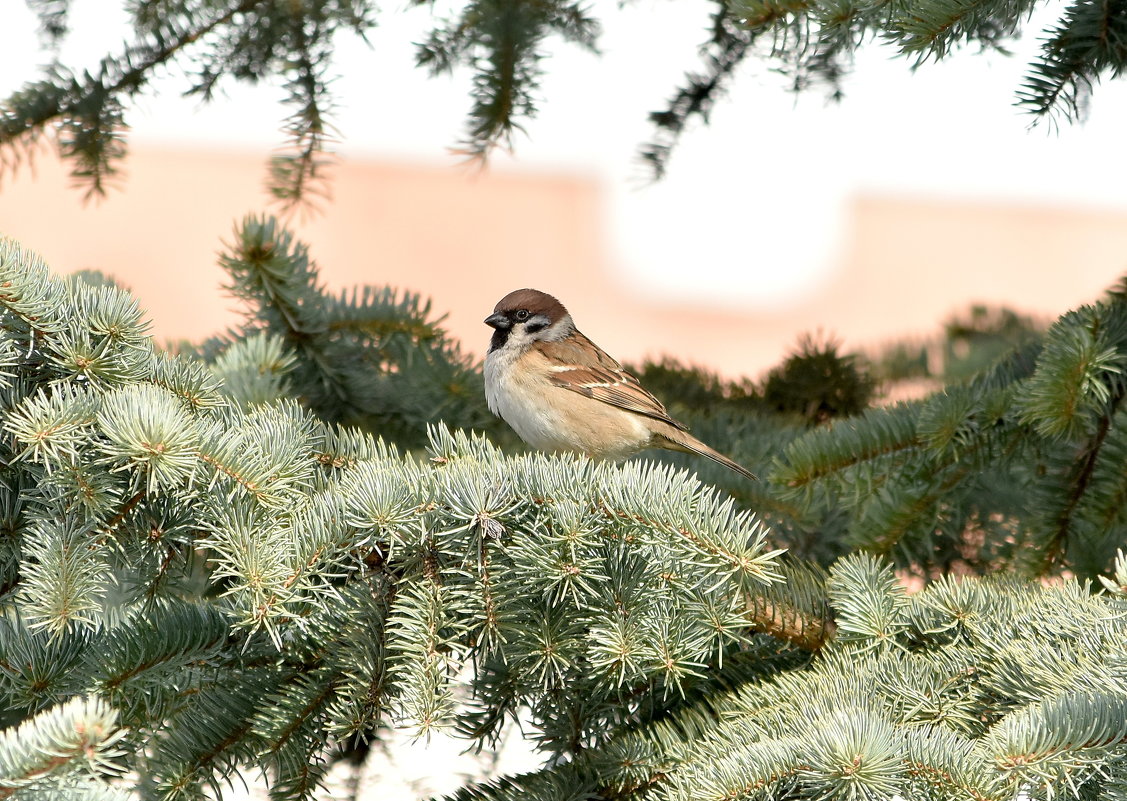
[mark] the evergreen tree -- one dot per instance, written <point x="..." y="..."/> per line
<point x="237" y="556"/>
<point x="970" y="342"/>
<point x="502" y="43"/>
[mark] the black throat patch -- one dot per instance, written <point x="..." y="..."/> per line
<point x="499" y="338"/>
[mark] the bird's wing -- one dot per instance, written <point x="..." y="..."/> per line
<point x="577" y="364"/>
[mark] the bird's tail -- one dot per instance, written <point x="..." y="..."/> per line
<point x="681" y="441"/>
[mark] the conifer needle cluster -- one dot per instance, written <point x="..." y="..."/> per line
<point x="251" y="554"/>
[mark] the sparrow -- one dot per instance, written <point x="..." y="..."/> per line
<point x="561" y="392"/>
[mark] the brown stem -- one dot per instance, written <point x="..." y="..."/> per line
<point x="785" y="622"/>
<point x="1055" y="547"/>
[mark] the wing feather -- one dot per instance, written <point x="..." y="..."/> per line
<point x="569" y="363"/>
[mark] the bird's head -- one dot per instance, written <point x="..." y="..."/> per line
<point x="526" y="315"/>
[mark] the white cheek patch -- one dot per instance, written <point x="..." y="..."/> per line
<point x="538" y="322"/>
<point x="560" y="329"/>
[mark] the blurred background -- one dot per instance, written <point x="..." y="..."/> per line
<point x="921" y="193"/>
<point x="876" y="220"/>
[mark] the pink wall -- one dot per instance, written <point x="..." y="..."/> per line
<point x="465" y="238"/>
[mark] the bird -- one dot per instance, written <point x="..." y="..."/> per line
<point x="561" y="392"/>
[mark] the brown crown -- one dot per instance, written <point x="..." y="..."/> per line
<point x="534" y="300"/>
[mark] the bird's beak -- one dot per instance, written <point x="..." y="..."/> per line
<point x="498" y="320"/>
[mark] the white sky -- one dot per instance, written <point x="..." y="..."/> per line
<point x="749" y="213"/>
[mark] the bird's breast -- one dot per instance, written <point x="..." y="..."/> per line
<point x="553" y="418"/>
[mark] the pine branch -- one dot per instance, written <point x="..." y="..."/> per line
<point x="560" y="784"/>
<point x="502" y="43"/>
<point x="372" y="357"/>
<point x="1099" y="513"/>
<point x="87" y="112"/>
<point x="38" y="669"/>
<point x="795" y="610"/>
<point x="934" y="30"/>
<point x="876" y="435"/>
<point x="136" y="669"/>
<point x="208" y="734"/>
<point x="1072" y="399"/>
<point x="1025" y="755"/>
<point x="297" y="178"/>
<point x="1089" y="40"/>
<point x="725" y="51"/>
<point x="81" y="734"/>
<point x="1086" y="464"/>
<point x="870" y="603"/>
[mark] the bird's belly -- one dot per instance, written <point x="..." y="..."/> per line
<point x="552" y="418"/>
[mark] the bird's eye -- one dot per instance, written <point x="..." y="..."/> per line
<point x="521" y="315"/>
